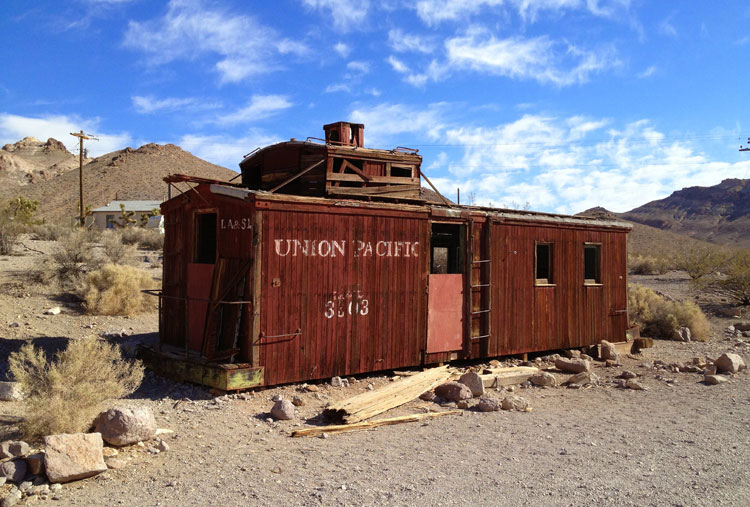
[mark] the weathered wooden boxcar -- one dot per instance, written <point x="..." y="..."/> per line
<point x="352" y="270"/>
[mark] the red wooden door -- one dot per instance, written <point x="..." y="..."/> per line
<point x="445" y="313"/>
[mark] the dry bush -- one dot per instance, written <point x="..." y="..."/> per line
<point x="9" y="234"/>
<point x="701" y="261"/>
<point x="116" y="290"/>
<point x="736" y="284"/>
<point x="152" y="240"/>
<point x="661" y="318"/>
<point x="64" y="395"/>
<point x="115" y="251"/>
<point x="131" y="235"/>
<point x="50" y="232"/>
<point x="648" y="265"/>
<point x="71" y="259"/>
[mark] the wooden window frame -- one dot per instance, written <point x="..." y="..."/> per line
<point x="549" y="281"/>
<point x="597" y="281"/>
<point x="196" y="235"/>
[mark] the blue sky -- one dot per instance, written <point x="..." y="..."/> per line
<point x="561" y="104"/>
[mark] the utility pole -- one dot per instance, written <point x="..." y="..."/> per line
<point x="81" y="136"/>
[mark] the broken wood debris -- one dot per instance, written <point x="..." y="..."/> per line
<point x="496" y="377"/>
<point x="341" y="428"/>
<point x="371" y="403"/>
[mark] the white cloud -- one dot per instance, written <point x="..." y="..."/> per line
<point x="150" y="104"/>
<point x="402" y="42"/>
<point x="14" y="128"/>
<point x="258" y="108"/>
<point x="225" y="150"/>
<point x="667" y="28"/>
<point x="342" y="49"/>
<point x="650" y="71"/>
<point x="385" y="123"/>
<point x="346" y="14"/>
<point x="189" y="29"/>
<point x="339" y="87"/>
<point x="358" y="67"/>
<point x="433" y="12"/>
<point x="398" y="65"/>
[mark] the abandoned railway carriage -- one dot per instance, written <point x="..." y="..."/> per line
<point x="328" y="260"/>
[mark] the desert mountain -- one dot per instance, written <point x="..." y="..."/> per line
<point x="31" y="160"/>
<point x="129" y="174"/>
<point x="720" y="214"/>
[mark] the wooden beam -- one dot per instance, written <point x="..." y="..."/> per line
<point x="341" y="428"/>
<point x="496" y="377"/>
<point x="257" y="275"/>
<point x="446" y="201"/>
<point x="371" y="403"/>
<point x="374" y="190"/>
<point x="345" y="164"/>
<point x="396" y="180"/>
<point x="294" y="177"/>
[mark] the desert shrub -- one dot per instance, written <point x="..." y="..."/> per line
<point x="736" y="284"/>
<point x="93" y="234"/>
<point x="115" y="251"/>
<point x="9" y="234"/>
<point x="700" y="261"/>
<point x="149" y="239"/>
<point x="648" y="265"/>
<point x="16" y="217"/>
<point x="116" y="290"/>
<point x="71" y="259"/>
<point x="65" y="394"/>
<point x="661" y="318"/>
<point x="50" y="231"/>
<point x="131" y="235"/>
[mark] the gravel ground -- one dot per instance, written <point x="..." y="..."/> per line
<point x="680" y="442"/>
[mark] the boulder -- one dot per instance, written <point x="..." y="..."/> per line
<point x="126" y="425"/>
<point x="543" y="379"/>
<point x="515" y="403"/>
<point x="14" y="470"/>
<point x="283" y="410"/>
<point x="730" y="363"/>
<point x="488" y="405"/>
<point x="583" y="378"/>
<point x="69" y="457"/>
<point x="714" y="379"/>
<point x="742" y="326"/>
<point x="572" y="353"/>
<point x="635" y="385"/>
<point x="627" y="374"/>
<point x="473" y="381"/>
<point x="297" y="401"/>
<point x="454" y="391"/>
<point x="13" y="449"/>
<point x="572" y="365"/>
<point x="12" y="498"/>
<point x="608" y="351"/>
<point x="428" y="396"/>
<point x="10" y="391"/>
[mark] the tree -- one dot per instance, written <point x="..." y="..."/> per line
<point x="126" y="216"/>
<point x="700" y="261"/>
<point x="736" y="285"/>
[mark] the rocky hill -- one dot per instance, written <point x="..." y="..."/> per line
<point x="128" y="174"/>
<point x="720" y="214"/>
<point x="31" y="161"/>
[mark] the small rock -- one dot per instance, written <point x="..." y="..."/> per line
<point x="714" y="379"/>
<point x="699" y="361"/>
<point x="627" y="374"/>
<point x="12" y="498"/>
<point x="126" y="425"/>
<point x="572" y="353"/>
<point x="283" y="410"/>
<point x="55" y="487"/>
<point x="635" y="385"/>
<point x="543" y="379"/>
<point x="10" y="391"/>
<point x="13" y="449"/>
<point x="14" y="470"/>
<point x="312" y="388"/>
<point x="115" y="463"/>
<point x="25" y="486"/>
<point x="494" y="362"/>
<point x="337" y="382"/>
<point x="583" y="378"/>
<point x="474" y="382"/>
<point x="297" y="401"/>
<point x="682" y="334"/>
<point x="463" y="405"/>
<point x="454" y="391"/>
<point x="742" y="326"/>
<point x="488" y="405"/>
<point x="162" y="446"/>
<point x="69" y="457"/>
<point x="608" y="351"/>
<point x="370" y="387"/>
<point x="35" y="463"/>
<point x="572" y="365"/>
<point x="53" y="311"/>
<point x="428" y="396"/>
<point x="277" y="397"/>
<point x="515" y="403"/>
<point x="41" y="489"/>
<point x="611" y="363"/>
<point x="109" y="452"/>
<point x="730" y="363"/>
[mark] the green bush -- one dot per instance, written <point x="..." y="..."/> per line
<point x="736" y="284"/>
<point x="701" y="261"/>
<point x="16" y="217"/>
<point x="71" y="259"/>
<point x="50" y="231"/>
<point x="64" y="395"/>
<point x="661" y="318"/>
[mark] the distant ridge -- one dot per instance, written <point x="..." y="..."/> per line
<point x="128" y="174"/>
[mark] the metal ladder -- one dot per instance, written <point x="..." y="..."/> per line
<point x="483" y="285"/>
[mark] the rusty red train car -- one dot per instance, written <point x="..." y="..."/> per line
<point x="330" y="259"/>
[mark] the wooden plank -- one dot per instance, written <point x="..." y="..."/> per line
<point x="341" y="428"/>
<point x="297" y="175"/>
<point x="371" y="403"/>
<point x="345" y="164"/>
<point x="379" y="191"/>
<point x="374" y="179"/>
<point x="507" y="376"/>
<point x="257" y="274"/>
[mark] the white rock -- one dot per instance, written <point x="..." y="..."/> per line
<point x="69" y="457"/>
<point x="10" y="391"/>
<point x="53" y="311"/>
<point x="543" y="379"/>
<point x="730" y="363"/>
<point x="126" y="425"/>
<point x="714" y="379"/>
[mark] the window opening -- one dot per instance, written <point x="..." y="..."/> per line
<point x="110" y="219"/>
<point x="205" y="238"/>
<point x="446" y="249"/>
<point x="401" y="172"/>
<point x="544" y="264"/>
<point x="592" y="262"/>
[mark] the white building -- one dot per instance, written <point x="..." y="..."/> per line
<point x="106" y="217"/>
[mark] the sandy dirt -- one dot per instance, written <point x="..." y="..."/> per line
<point x="681" y="442"/>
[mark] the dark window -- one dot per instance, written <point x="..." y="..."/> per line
<point x="544" y="274"/>
<point x="110" y="221"/>
<point x="446" y="249"/>
<point x="592" y="264"/>
<point x="401" y="172"/>
<point x="205" y="238"/>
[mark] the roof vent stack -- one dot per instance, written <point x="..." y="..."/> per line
<point x="343" y="133"/>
